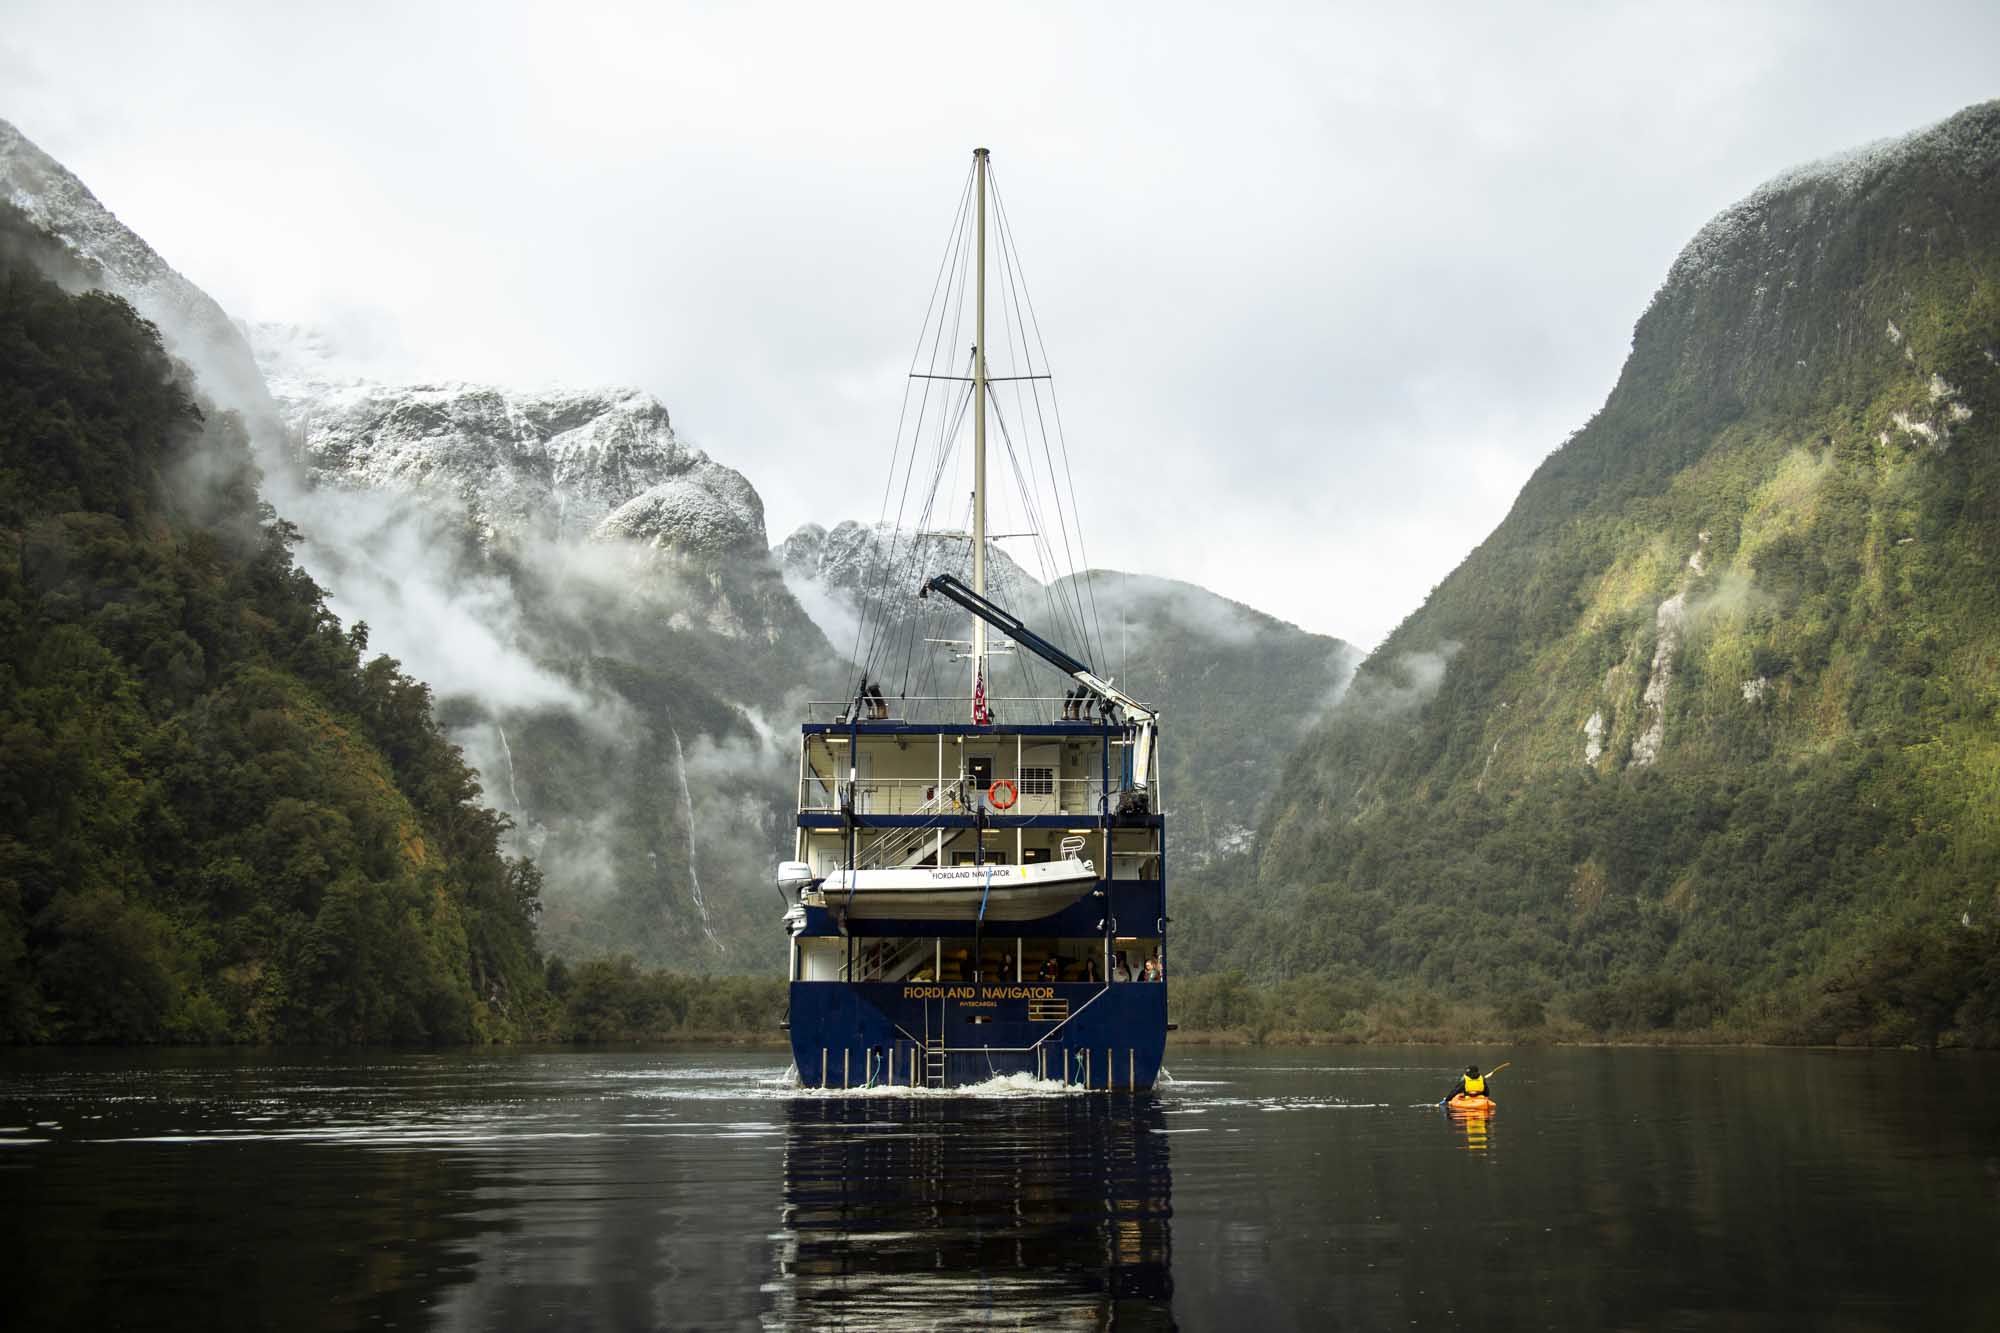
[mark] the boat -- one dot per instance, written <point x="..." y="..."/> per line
<point x="995" y="890"/>
<point x="1474" y="1105"/>
<point x="977" y="883"/>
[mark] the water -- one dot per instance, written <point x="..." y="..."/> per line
<point x="1263" y="1189"/>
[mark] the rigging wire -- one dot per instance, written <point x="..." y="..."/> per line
<point x="933" y="418"/>
<point x="1006" y="230"/>
<point x="945" y="262"/>
<point x="1064" y="617"/>
<point x="876" y="603"/>
<point x="919" y="541"/>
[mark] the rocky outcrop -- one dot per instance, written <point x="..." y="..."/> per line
<point x="555" y="464"/>
<point x="874" y="567"/>
<point x="709" y="510"/>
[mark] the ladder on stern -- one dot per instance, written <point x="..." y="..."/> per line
<point x="934" y="1062"/>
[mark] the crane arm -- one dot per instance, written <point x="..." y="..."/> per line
<point x="1145" y="719"/>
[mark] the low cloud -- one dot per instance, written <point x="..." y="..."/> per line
<point x="379" y="559"/>
<point x="1401" y="685"/>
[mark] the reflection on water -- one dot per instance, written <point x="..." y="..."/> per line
<point x="688" y="1189"/>
<point x="1478" y="1128"/>
<point x="922" y="1212"/>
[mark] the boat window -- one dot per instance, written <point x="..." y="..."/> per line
<point x="1038" y="781"/>
<point x="980" y="767"/>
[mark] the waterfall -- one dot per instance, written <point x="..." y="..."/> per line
<point x="687" y="805"/>
<point x="513" y="792"/>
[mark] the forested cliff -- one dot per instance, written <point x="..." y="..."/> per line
<point x="217" y="821"/>
<point x="1707" y="731"/>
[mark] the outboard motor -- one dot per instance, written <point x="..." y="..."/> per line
<point x="793" y="876"/>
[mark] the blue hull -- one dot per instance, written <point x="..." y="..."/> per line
<point x="956" y="1034"/>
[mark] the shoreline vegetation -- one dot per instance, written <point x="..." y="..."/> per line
<point x="614" y="1001"/>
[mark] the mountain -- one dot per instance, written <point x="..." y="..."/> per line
<point x="216" y="823"/>
<point x="639" y="636"/>
<point x="591" y="599"/>
<point x="1237" y="688"/>
<point x="1707" y="730"/>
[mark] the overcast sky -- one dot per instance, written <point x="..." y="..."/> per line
<point x="1321" y="285"/>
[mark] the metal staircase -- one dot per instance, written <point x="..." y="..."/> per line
<point x="891" y="965"/>
<point x="907" y="846"/>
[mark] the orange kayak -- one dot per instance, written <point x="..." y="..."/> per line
<point x="1480" y="1105"/>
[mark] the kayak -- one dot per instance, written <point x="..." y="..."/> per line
<point x="1480" y="1105"/>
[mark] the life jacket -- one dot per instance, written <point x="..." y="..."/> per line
<point x="1474" y="1087"/>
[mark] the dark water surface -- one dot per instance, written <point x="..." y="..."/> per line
<point x="1262" y="1189"/>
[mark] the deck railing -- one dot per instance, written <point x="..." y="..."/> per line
<point x="936" y="709"/>
<point x="1079" y="797"/>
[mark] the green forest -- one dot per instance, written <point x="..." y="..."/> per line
<point x="220" y="819"/>
<point x="220" y="823"/>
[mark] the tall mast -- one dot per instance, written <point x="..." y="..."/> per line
<point x="979" y="434"/>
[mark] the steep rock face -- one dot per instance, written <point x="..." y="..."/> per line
<point x="1237" y="687"/>
<point x="1681" y="706"/>
<point x="560" y="465"/>
<point x="192" y="325"/>
<point x="631" y="577"/>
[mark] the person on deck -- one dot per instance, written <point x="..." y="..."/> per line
<point x="1120" y="969"/>
<point x="1051" y="969"/>
<point x="1469" y="1083"/>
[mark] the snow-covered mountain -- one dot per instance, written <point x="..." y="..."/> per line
<point x="555" y="464"/>
<point x="625" y="578"/>
<point x="835" y="573"/>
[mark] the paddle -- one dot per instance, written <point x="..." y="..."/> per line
<point x="1490" y="1073"/>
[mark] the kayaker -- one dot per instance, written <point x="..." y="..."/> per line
<point x="1470" y="1084"/>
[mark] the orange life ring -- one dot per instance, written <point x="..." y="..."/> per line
<point x="1013" y="794"/>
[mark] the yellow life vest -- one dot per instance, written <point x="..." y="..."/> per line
<point x="1474" y="1087"/>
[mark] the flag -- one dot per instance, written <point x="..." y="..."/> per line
<point x="980" y="717"/>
